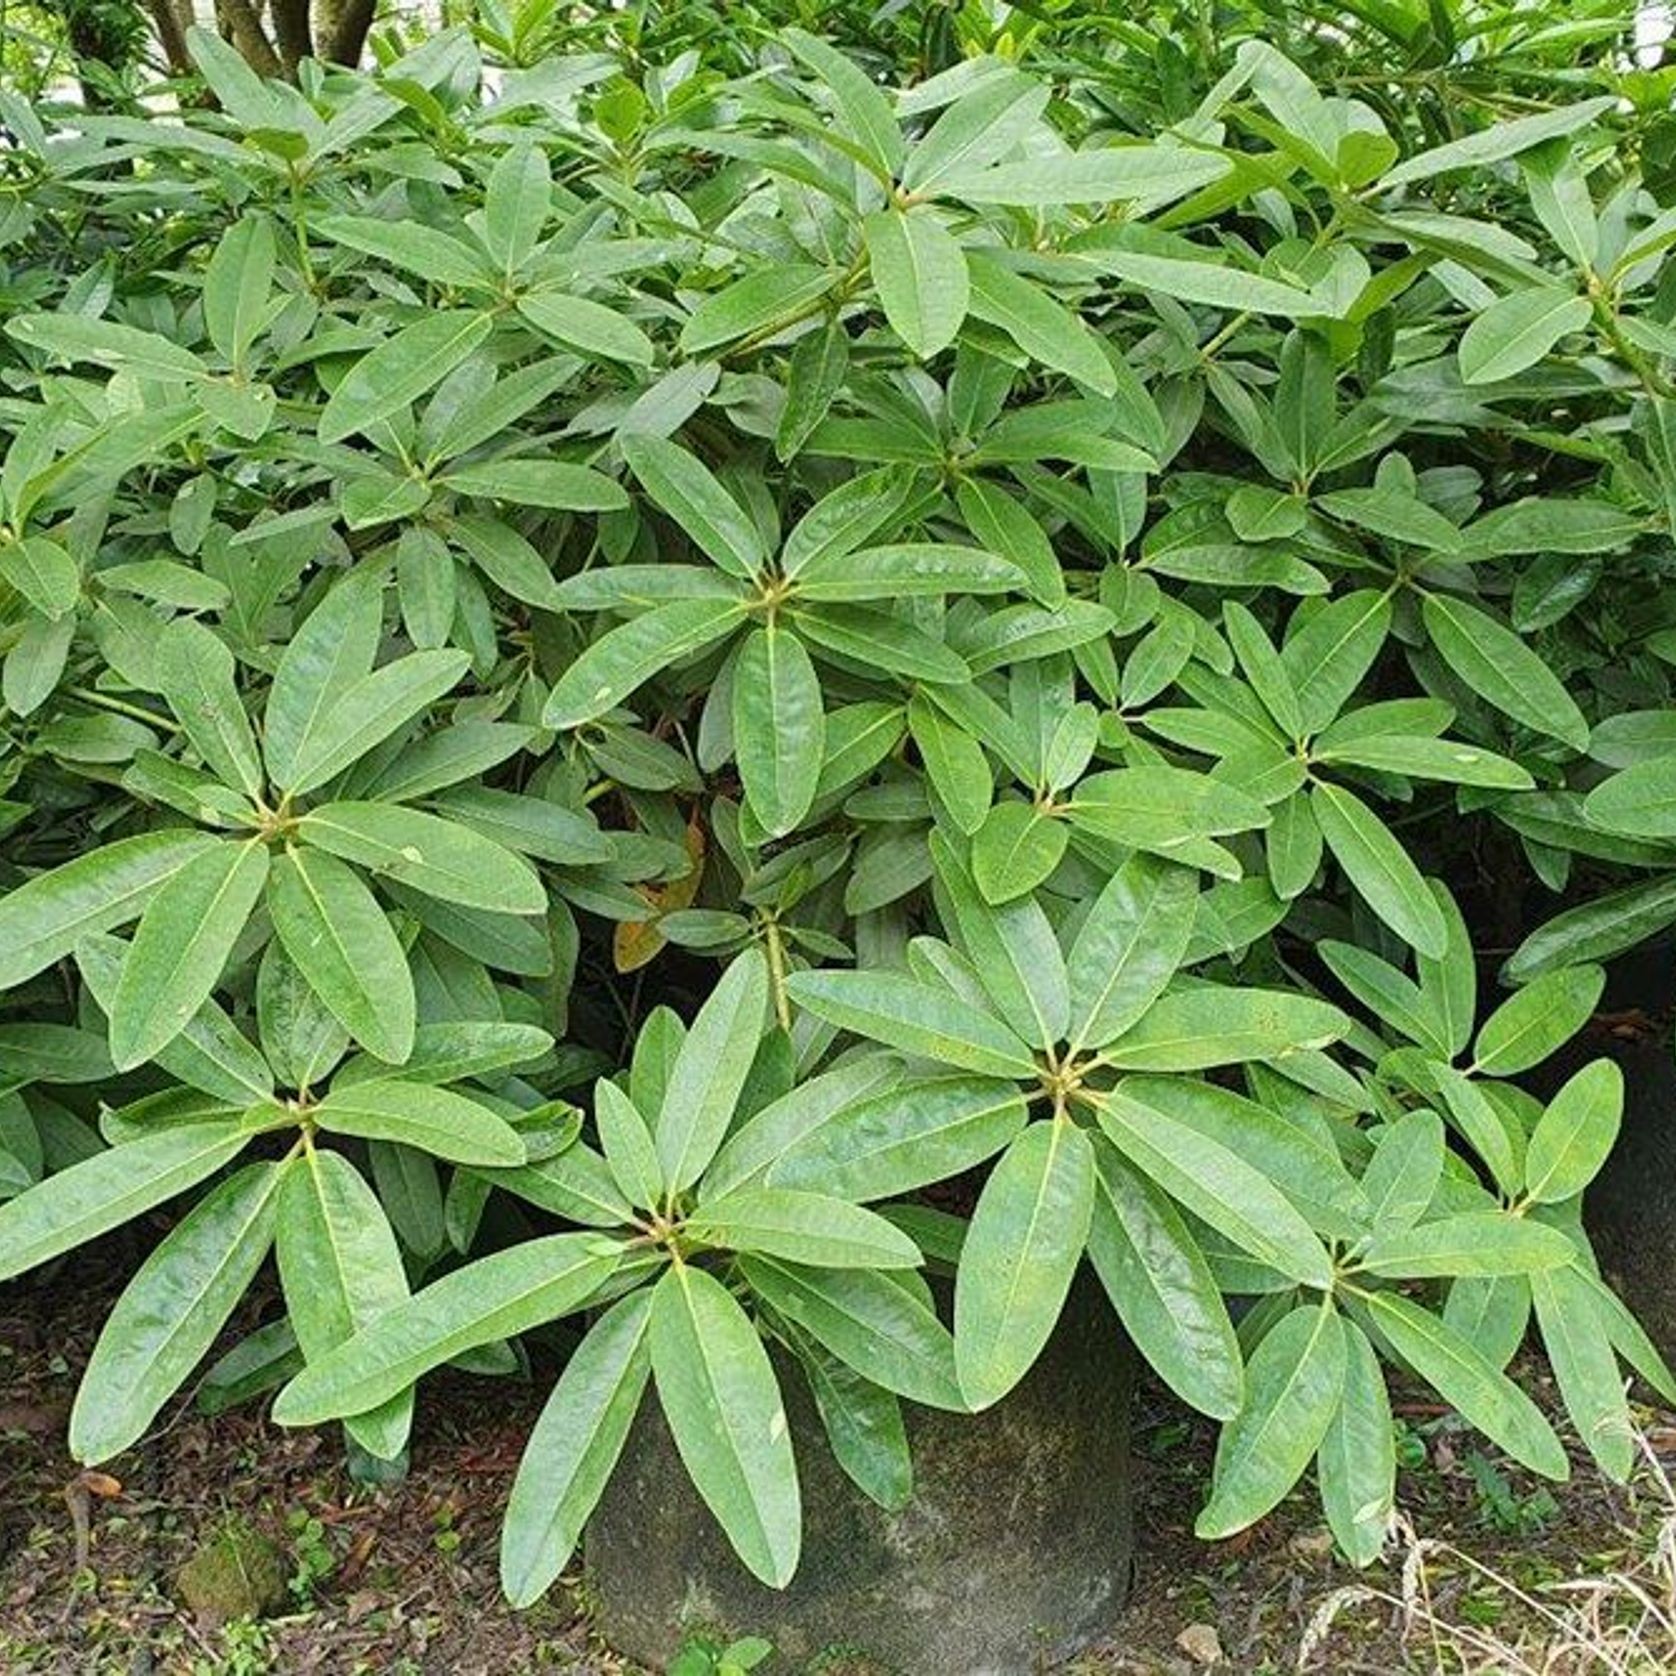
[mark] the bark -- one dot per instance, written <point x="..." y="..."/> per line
<point x="344" y="28"/>
<point x="171" y="24"/>
<point x="241" y="25"/>
<point x="292" y="32"/>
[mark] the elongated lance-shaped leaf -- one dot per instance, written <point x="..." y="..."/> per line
<point x="184" y="939"/>
<point x="44" y="918"/>
<point x="90" y="1198"/>
<point x="171" y="1312"/>
<point x="496" y="1297"/>
<point x="342" y="943"/>
<point x="684" y="487"/>
<point x="779" y="727"/>
<point x="341" y="1269"/>
<point x="195" y="674"/>
<point x="436" y="1120"/>
<point x="720" y="1396"/>
<point x="1021" y="1252"/>
<point x="1294" y="1385"/>
<point x="573" y="1447"/>
<point x="710" y="1070"/>
<point x="1357" y="1461"/>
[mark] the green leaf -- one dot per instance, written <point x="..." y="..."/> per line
<point x="710" y="1070"/>
<point x="1379" y="867"/>
<point x="401" y="369"/>
<point x="183" y="941"/>
<point x="1402" y="1177"/>
<point x="720" y="1397"/>
<point x="44" y="918"/>
<point x="613" y="667"/>
<point x="1204" y="1026"/>
<point x="211" y="1053"/>
<point x="195" y="677"/>
<point x="919" y="271"/>
<point x="435" y="1120"/>
<point x="1044" y="329"/>
<point x="516" y="205"/>
<point x="343" y="944"/>
<point x="1162" y="1288"/>
<point x="870" y="1321"/>
<point x="425" y="251"/>
<point x="81" y="337"/>
<point x="1537" y="1019"/>
<point x="757" y="305"/>
<point x="954" y="762"/>
<point x="1129" y="947"/>
<point x="1154" y="172"/>
<point x="43" y="573"/>
<point x="1020" y="1255"/>
<point x="1328" y="657"/>
<point x="1217" y="1186"/>
<point x="1294" y="1387"/>
<point x="813" y="1229"/>
<point x="332" y="650"/>
<point x="237" y="284"/>
<point x="589" y="328"/>
<point x="1468" y="1381"/>
<point x="779" y="727"/>
<point x="909" y="1137"/>
<point x="1013" y="949"/>
<point x="1493" y="144"/>
<point x="1517" y="330"/>
<point x="904" y="1013"/>
<point x="1357" y="1463"/>
<point x="370" y="710"/>
<point x="494" y="1298"/>
<point x="1585" y="1364"/>
<point x="1161" y="808"/>
<point x="1487" y="1242"/>
<point x="863" y="1425"/>
<point x="172" y="1311"/>
<point x="982" y="125"/>
<point x="1502" y="669"/>
<point x="573" y="1449"/>
<point x="1639" y="801"/>
<point x="683" y="486"/>
<point x="341" y="1269"/>
<point x="863" y="108"/>
<point x="1014" y="849"/>
<point x="555" y="484"/>
<point x="443" y="858"/>
<point x="90" y="1198"/>
<point x="814" y="375"/>
<point x="1575" y="1134"/>
<point x="1210" y="283"/>
<point x="1428" y="759"/>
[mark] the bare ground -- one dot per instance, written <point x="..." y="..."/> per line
<point x="403" y="1579"/>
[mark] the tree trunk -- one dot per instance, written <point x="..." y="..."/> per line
<point x="343" y="29"/>
<point x="292" y="33"/>
<point x="171" y="28"/>
<point x="240" y="25"/>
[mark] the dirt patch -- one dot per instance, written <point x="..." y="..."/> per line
<point x="402" y="1579"/>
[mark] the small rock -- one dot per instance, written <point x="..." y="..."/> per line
<point x="1312" y="1545"/>
<point x="236" y="1573"/>
<point x="1201" y="1643"/>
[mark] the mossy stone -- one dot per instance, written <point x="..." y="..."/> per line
<point x="1016" y="1547"/>
<point x="235" y="1573"/>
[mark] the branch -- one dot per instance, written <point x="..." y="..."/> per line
<point x="241" y="26"/>
<point x="171" y="31"/>
<point x="292" y="32"/>
<point x="346" y="32"/>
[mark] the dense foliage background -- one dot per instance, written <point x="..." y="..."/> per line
<point x="1072" y="594"/>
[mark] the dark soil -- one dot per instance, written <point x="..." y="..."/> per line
<point x="403" y="1579"/>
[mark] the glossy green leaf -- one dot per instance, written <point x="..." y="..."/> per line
<point x="1294" y="1387"/>
<point x="171" y="1312"/>
<point x="183" y="941"/>
<point x="496" y="1297"/>
<point x="1021" y="1252"/>
<point x="723" y="1405"/>
<point x="1357" y="1463"/>
<point x="919" y="270"/>
<point x="343" y="944"/>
